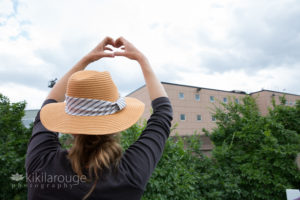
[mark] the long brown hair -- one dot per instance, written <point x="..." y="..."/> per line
<point x="95" y="153"/>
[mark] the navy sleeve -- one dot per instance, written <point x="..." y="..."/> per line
<point x="140" y="159"/>
<point x="42" y="146"/>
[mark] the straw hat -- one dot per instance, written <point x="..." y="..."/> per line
<point x="93" y="106"/>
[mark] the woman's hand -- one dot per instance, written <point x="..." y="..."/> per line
<point x="130" y="51"/>
<point x="98" y="52"/>
<point x="154" y="86"/>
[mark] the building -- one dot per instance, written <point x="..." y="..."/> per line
<point x="193" y="106"/>
<point x="29" y="117"/>
<point x="264" y="99"/>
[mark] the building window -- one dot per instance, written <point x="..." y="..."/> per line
<point x="225" y="99"/>
<point x="181" y="95"/>
<point x="199" y="118"/>
<point x="237" y="101"/>
<point x="197" y="97"/>
<point x="182" y="117"/>
<point x="291" y="103"/>
<point x="213" y="118"/>
<point x="212" y="99"/>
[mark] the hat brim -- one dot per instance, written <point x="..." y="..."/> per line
<point x="54" y="118"/>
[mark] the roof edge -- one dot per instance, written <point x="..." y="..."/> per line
<point x="135" y="90"/>
<point x="275" y="92"/>
<point x="245" y="93"/>
<point x="233" y="91"/>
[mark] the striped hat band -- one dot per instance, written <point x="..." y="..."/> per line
<point x="92" y="107"/>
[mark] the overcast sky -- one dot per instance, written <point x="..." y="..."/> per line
<point x="243" y="45"/>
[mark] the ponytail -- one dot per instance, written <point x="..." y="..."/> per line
<point x="95" y="152"/>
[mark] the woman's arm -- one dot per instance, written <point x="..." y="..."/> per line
<point x="154" y="86"/>
<point x="140" y="159"/>
<point x="58" y="91"/>
<point x="44" y="143"/>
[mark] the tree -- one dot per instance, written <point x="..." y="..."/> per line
<point x="253" y="158"/>
<point x="257" y="152"/>
<point x="14" y="137"/>
<point x="176" y="175"/>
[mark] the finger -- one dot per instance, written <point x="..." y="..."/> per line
<point x="118" y="53"/>
<point x="108" y="40"/>
<point x="120" y="42"/>
<point x="107" y="48"/>
<point x="108" y="55"/>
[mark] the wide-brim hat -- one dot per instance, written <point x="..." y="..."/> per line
<point x="93" y="106"/>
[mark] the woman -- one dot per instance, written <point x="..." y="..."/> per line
<point x="95" y="167"/>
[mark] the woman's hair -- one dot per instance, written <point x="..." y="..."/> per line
<point x="95" y="153"/>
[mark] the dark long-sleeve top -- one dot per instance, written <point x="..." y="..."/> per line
<point x="50" y="175"/>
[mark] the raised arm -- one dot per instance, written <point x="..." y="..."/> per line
<point x="154" y="86"/>
<point x="44" y="143"/>
<point x="141" y="158"/>
<point x="58" y="91"/>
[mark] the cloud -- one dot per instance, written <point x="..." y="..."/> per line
<point x="6" y="8"/>
<point x="226" y="45"/>
<point x="282" y="79"/>
<point x="20" y="66"/>
<point x="29" y="79"/>
<point x="17" y="93"/>
<point x="261" y="34"/>
<point x="64" y="54"/>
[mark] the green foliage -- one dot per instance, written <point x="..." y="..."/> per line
<point x="258" y="152"/>
<point x="66" y="141"/>
<point x="14" y="138"/>
<point x="253" y="158"/>
<point x="130" y="135"/>
<point x="176" y="175"/>
<point x="288" y="116"/>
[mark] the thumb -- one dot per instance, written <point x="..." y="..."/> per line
<point x="118" y="53"/>
<point x="106" y="54"/>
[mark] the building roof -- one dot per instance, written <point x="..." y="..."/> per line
<point x="233" y="91"/>
<point x="29" y="117"/>
<point x="263" y="90"/>
<point x="197" y="87"/>
<point x="135" y="90"/>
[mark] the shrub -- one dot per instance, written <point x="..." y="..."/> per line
<point x="14" y="137"/>
<point x="258" y="151"/>
<point x="176" y="175"/>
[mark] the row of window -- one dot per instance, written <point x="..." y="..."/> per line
<point x="211" y="98"/>
<point x="291" y="103"/>
<point x="198" y="118"/>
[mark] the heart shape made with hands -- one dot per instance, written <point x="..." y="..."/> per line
<point x="113" y="49"/>
<point x="112" y="46"/>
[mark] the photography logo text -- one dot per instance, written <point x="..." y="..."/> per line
<point x="43" y="180"/>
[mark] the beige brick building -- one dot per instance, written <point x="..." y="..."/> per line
<point x="193" y="106"/>
<point x="264" y="99"/>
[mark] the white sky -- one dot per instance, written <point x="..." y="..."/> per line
<point x="244" y="45"/>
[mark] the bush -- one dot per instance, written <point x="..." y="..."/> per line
<point x="257" y="151"/>
<point x="253" y="158"/>
<point x="176" y="175"/>
<point x="14" y="137"/>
